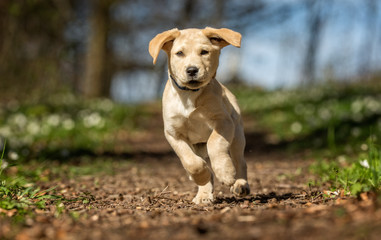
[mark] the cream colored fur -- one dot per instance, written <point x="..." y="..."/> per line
<point x="201" y="116"/>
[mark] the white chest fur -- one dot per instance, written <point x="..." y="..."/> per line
<point x="183" y="119"/>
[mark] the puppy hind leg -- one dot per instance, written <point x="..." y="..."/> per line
<point x="240" y="186"/>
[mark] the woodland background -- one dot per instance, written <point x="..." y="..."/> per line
<point x="99" y="48"/>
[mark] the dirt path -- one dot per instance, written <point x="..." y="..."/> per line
<point x="150" y="198"/>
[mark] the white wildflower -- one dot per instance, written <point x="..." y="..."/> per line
<point x="372" y="104"/>
<point x="342" y="159"/>
<point x="364" y="163"/>
<point x="4" y="164"/>
<point x="364" y="147"/>
<point x="357" y="106"/>
<point x="54" y="120"/>
<point x="33" y="128"/>
<point x="68" y="124"/>
<point x="296" y="127"/>
<point x="13" y="155"/>
<point x="5" y="131"/>
<point x="93" y="120"/>
<point x="20" y="120"/>
<point x="324" y="114"/>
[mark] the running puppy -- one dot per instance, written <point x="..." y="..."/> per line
<point x="201" y="116"/>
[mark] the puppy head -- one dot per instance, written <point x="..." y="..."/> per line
<point x="193" y="54"/>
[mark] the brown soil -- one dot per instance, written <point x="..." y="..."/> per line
<point x="149" y="197"/>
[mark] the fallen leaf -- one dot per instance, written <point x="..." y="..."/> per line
<point x="22" y="236"/>
<point x="224" y="210"/>
<point x="9" y="213"/>
<point x="364" y="196"/>
<point x="315" y="209"/>
<point x="341" y="201"/>
<point x="248" y="218"/>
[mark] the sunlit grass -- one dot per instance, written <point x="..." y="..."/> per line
<point x="19" y="196"/>
<point x="65" y="125"/>
<point x="361" y="174"/>
<point x="332" y="117"/>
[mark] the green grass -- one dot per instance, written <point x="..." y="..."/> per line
<point x="362" y="174"/>
<point x="336" y="118"/>
<point x="18" y="196"/>
<point x="65" y="126"/>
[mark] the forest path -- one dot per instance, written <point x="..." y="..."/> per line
<point x="149" y="197"/>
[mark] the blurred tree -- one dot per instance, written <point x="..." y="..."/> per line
<point x="31" y="46"/>
<point x="96" y="82"/>
<point x="366" y="51"/>
<point x="314" y="28"/>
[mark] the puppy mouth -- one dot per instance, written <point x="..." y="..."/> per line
<point x="194" y="82"/>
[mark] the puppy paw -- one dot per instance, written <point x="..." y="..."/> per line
<point x="203" y="198"/>
<point x="204" y="194"/>
<point x="240" y="188"/>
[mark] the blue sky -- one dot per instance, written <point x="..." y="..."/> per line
<point x="272" y="57"/>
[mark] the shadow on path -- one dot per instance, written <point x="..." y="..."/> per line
<point x="262" y="198"/>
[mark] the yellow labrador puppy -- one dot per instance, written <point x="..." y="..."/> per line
<point x="201" y="116"/>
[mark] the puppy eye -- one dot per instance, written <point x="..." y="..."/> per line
<point x="204" y="52"/>
<point x="180" y="53"/>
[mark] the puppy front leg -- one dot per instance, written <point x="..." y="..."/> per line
<point x="219" y="152"/>
<point x="196" y="168"/>
<point x="205" y="193"/>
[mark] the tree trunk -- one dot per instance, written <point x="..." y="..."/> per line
<point x="314" y="31"/>
<point x="367" y="48"/>
<point x="95" y="82"/>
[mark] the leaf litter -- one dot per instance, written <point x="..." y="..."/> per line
<point x="151" y="198"/>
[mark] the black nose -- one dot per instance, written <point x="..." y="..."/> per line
<point x="192" y="71"/>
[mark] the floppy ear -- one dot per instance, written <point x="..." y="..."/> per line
<point x="223" y="36"/>
<point x="158" y="42"/>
